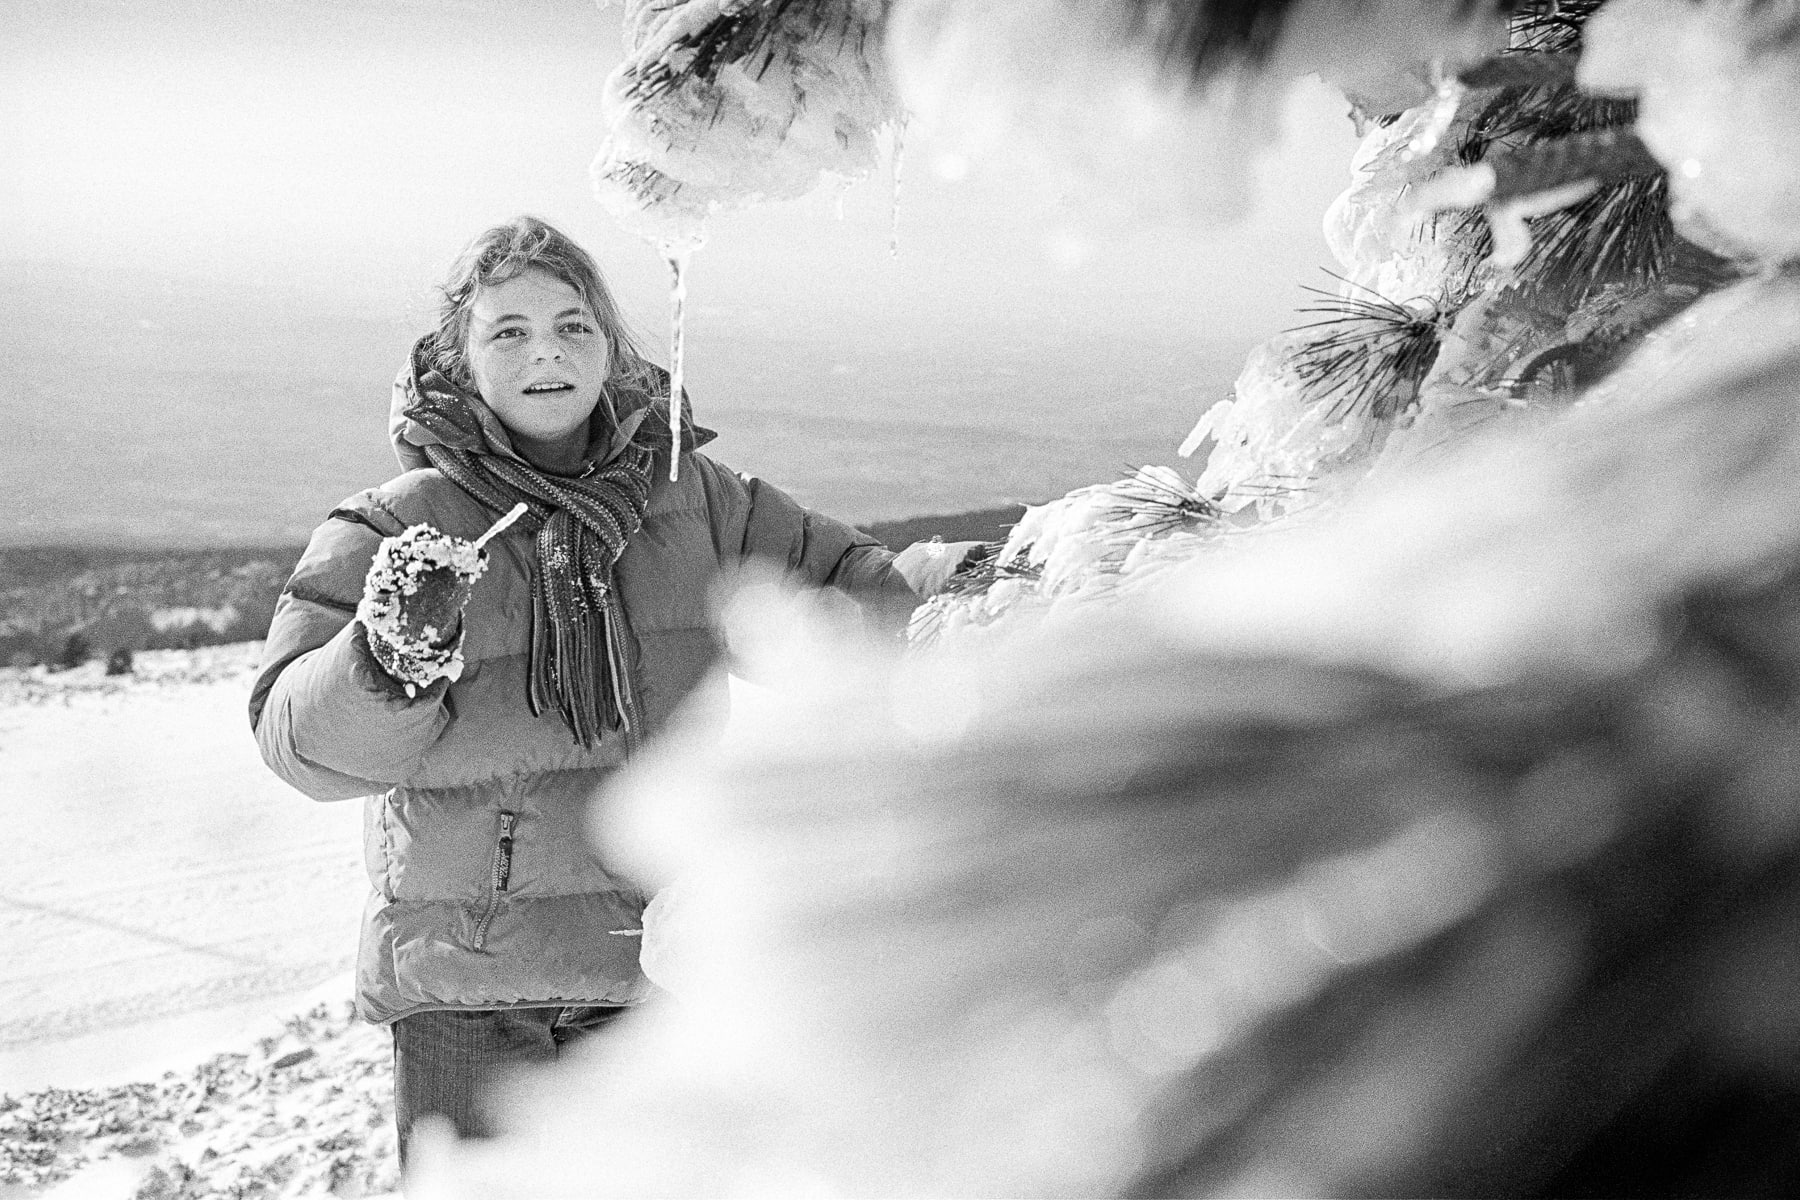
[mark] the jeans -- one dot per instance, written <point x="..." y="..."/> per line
<point x="445" y="1061"/>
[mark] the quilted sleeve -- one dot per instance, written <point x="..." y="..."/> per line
<point x="753" y="519"/>
<point x="327" y="719"/>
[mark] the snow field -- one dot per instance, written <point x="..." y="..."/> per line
<point x="159" y="868"/>
<point x="171" y="898"/>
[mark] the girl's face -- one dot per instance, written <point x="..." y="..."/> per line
<point x="537" y="355"/>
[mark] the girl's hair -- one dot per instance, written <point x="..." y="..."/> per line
<point x="508" y="251"/>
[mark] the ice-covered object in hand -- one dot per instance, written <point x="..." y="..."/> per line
<point x="412" y="602"/>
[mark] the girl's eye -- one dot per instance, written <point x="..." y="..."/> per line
<point x="510" y="331"/>
<point x="577" y="327"/>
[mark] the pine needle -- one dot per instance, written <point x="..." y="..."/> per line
<point x="1152" y="503"/>
<point x="1369" y="355"/>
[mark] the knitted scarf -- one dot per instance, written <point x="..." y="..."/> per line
<point x="581" y="527"/>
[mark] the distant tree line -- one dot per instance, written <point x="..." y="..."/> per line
<point x="63" y="606"/>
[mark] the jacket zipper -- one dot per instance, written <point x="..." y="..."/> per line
<point x="499" y="875"/>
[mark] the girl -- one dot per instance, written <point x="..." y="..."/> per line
<point x="495" y="931"/>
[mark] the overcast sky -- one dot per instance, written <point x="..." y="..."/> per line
<point x="355" y="144"/>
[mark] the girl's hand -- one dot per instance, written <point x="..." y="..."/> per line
<point x="412" y="604"/>
<point x="928" y="566"/>
<point x="430" y="612"/>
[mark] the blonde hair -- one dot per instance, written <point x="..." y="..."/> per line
<point x="508" y="251"/>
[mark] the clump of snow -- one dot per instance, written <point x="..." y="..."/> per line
<point x="948" y="615"/>
<point x="1274" y="444"/>
<point x="772" y="127"/>
<point x="1385" y="242"/>
<point x="1099" y="540"/>
<point x="1070" y="538"/>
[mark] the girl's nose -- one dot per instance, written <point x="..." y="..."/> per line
<point x="545" y="349"/>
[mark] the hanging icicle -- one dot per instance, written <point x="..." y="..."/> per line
<point x="678" y="261"/>
<point x="899" y="167"/>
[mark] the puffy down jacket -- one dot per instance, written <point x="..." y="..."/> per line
<point x="486" y="890"/>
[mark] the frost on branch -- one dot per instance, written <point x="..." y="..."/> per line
<point x="1504" y="243"/>
<point x="1093" y="541"/>
<point x="723" y="103"/>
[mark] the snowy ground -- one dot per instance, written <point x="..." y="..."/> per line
<point x="305" y="1109"/>
<point x="178" y="927"/>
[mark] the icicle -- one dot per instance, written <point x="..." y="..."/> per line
<point x="899" y="164"/>
<point x="1438" y="118"/>
<point x="677" y="260"/>
<point x="514" y="513"/>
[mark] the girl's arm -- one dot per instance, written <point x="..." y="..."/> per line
<point x="755" y="519"/>
<point x="327" y="718"/>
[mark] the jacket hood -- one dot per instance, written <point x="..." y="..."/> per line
<point x="428" y="409"/>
